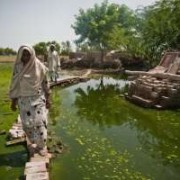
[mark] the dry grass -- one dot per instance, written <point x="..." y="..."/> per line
<point x="7" y="58"/>
<point x="12" y="58"/>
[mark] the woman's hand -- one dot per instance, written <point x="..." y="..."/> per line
<point x="48" y="104"/>
<point x="14" y="104"/>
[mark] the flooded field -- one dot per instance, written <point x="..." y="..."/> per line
<point x="106" y="137"/>
<point x="110" y="138"/>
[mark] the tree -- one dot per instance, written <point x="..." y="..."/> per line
<point x="7" y="51"/>
<point x="160" y="28"/>
<point x="42" y="47"/>
<point x="95" y="24"/>
<point x="82" y="47"/>
<point x="65" y="48"/>
<point x="145" y="33"/>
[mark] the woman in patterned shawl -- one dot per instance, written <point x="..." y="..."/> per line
<point x="29" y="90"/>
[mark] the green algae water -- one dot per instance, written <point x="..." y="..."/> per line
<point x="110" y="138"/>
<point x="106" y="136"/>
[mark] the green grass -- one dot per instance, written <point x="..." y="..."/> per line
<point x="6" y="115"/>
<point x="13" y="158"/>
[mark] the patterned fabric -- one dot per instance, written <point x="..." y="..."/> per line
<point x="33" y="113"/>
<point x="30" y="87"/>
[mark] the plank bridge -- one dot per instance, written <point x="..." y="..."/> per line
<point x="37" y="166"/>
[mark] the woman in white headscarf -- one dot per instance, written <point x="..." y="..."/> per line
<point x="29" y="90"/>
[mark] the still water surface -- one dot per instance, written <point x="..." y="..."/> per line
<point x="110" y="138"/>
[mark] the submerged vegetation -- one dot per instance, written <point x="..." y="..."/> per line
<point x="107" y="137"/>
<point x="104" y="135"/>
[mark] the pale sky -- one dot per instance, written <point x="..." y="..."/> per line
<point x="32" y="21"/>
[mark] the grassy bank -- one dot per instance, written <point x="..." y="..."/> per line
<point x="6" y="115"/>
<point x="13" y="158"/>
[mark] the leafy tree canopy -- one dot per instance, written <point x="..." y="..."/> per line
<point x="42" y="47"/>
<point x="160" y="28"/>
<point x="95" y="24"/>
<point x="66" y="48"/>
<point x="7" y="51"/>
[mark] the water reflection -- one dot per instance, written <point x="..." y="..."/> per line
<point x="158" y="132"/>
<point x="55" y="110"/>
<point x="13" y="159"/>
<point x="100" y="104"/>
<point x="161" y="137"/>
<point x="103" y="129"/>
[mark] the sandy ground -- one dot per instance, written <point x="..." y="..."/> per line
<point x="7" y="58"/>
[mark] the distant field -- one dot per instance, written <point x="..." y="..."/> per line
<point x="7" y="58"/>
<point x="12" y="58"/>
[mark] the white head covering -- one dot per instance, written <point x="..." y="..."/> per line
<point x="52" y="45"/>
<point x="27" y="79"/>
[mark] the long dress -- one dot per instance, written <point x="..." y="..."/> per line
<point x="33" y="114"/>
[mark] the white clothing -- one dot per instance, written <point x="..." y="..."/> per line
<point x="53" y="61"/>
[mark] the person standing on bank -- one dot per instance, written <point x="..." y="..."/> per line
<point x="53" y="63"/>
<point x="29" y="90"/>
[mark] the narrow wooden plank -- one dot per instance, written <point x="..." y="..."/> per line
<point x="16" y="133"/>
<point x="38" y="176"/>
<point x="33" y="164"/>
<point x="16" y="141"/>
<point x="15" y="127"/>
<point x="35" y="169"/>
<point x="38" y="158"/>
